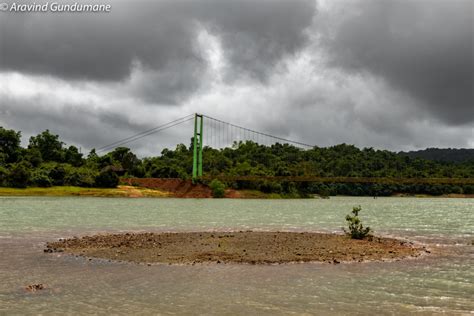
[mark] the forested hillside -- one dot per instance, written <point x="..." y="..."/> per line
<point x="47" y="161"/>
<point x="442" y="154"/>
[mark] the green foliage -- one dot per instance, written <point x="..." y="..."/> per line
<point x="469" y="189"/>
<point x="67" y="166"/>
<point x="9" y="145"/>
<point x="218" y="188"/>
<point x="107" y="179"/>
<point x="82" y="177"/>
<point x="125" y="158"/>
<point x="73" y="156"/>
<point x="290" y="190"/>
<point x="324" y="193"/>
<point x="57" y="174"/>
<point x="49" y="145"/>
<point x="160" y="171"/>
<point x="356" y="229"/>
<point x="33" y="156"/>
<point x="442" y="154"/>
<point x="19" y="176"/>
<point x="270" y="187"/>
<point x="41" y="178"/>
<point x="3" y="176"/>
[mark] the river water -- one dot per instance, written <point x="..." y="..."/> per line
<point x="439" y="283"/>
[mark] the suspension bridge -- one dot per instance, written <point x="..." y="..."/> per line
<point x="215" y="133"/>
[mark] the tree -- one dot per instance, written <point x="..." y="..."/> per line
<point x="49" y="145"/>
<point x="33" y="156"/>
<point x="83" y="177"/>
<point x="19" y="175"/>
<point x="9" y="145"/>
<point x="73" y="156"/>
<point x="40" y="178"/>
<point x="3" y="176"/>
<point x="92" y="156"/>
<point x="168" y="172"/>
<point x="127" y="159"/>
<point x="57" y="174"/>
<point x="104" y="161"/>
<point x="107" y="179"/>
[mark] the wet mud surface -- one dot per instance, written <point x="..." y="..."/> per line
<point x="235" y="247"/>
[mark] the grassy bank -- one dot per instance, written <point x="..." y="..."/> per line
<point x="120" y="191"/>
<point x="135" y="191"/>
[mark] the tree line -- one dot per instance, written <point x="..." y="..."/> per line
<point x="442" y="154"/>
<point x="47" y="161"/>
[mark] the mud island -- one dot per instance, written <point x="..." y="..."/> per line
<point x="249" y="247"/>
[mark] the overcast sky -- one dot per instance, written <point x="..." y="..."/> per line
<point x="391" y="74"/>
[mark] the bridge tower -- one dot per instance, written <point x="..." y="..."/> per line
<point x="197" y="147"/>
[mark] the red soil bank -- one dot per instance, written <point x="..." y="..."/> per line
<point x="178" y="187"/>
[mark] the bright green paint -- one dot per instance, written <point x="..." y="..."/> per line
<point x="197" y="147"/>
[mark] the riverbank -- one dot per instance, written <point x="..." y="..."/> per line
<point x="168" y="189"/>
<point x="235" y="247"/>
<point x="120" y="191"/>
<point x="173" y="190"/>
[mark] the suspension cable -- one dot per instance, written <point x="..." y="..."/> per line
<point x="249" y="131"/>
<point x="146" y="133"/>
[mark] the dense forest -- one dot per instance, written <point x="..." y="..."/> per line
<point x="442" y="154"/>
<point x="47" y="161"/>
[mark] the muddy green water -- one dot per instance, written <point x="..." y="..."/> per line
<point x="441" y="283"/>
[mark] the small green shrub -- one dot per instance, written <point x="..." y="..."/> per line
<point x="218" y="188"/>
<point x="356" y="229"/>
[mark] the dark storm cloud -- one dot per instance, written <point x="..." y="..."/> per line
<point x="105" y="46"/>
<point x="68" y="121"/>
<point x="256" y="35"/>
<point x="424" y="48"/>
<point x="87" y="127"/>
<point x="160" y="36"/>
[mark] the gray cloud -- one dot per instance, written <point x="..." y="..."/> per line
<point x="256" y="35"/>
<point x="162" y="36"/>
<point x="423" y="47"/>
<point x="86" y="127"/>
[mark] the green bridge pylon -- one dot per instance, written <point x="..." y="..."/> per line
<point x="197" y="147"/>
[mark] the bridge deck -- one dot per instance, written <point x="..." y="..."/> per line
<point x="372" y="180"/>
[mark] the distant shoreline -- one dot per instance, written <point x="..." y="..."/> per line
<point x="126" y="191"/>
